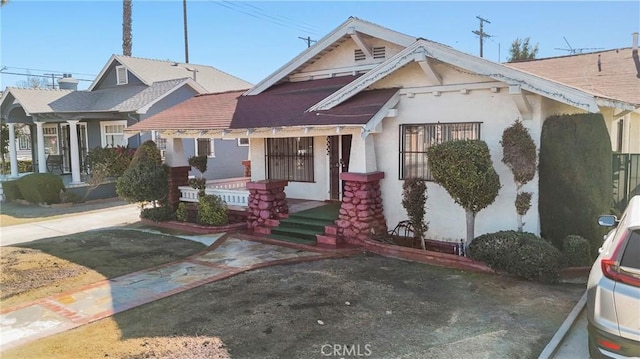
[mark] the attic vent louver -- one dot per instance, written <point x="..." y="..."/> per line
<point x="121" y="75"/>
<point x="379" y="52"/>
<point x="359" y="55"/>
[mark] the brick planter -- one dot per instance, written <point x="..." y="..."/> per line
<point x="194" y="227"/>
<point x="361" y="213"/>
<point x="267" y="200"/>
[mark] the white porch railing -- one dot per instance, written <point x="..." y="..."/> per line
<point x="232" y="190"/>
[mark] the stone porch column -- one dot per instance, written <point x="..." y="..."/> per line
<point x="361" y="213"/>
<point x="178" y="176"/>
<point x="13" y="153"/>
<point x="267" y="200"/>
<point x="42" y="158"/>
<point x="75" y="151"/>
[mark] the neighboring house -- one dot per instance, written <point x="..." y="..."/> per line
<point x="613" y="76"/>
<point x="69" y="122"/>
<point x="361" y="107"/>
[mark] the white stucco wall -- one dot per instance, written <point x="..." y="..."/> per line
<point x="446" y="219"/>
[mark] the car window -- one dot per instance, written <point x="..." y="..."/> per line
<point x="631" y="255"/>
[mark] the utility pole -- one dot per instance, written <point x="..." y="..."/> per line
<point x="53" y="80"/>
<point x="186" y="37"/>
<point x="307" y="40"/>
<point x="481" y="32"/>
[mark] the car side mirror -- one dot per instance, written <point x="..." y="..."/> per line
<point x="608" y="221"/>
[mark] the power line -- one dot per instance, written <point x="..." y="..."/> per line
<point x="262" y="15"/>
<point x="40" y="70"/>
<point x="58" y="76"/>
<point x="481" y="32"/>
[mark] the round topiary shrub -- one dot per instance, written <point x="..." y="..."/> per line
<point x="576" y="251"/>
<point x="11" y="190"/>
<point x="212" y="211"/>
<point x="520" y="254"/>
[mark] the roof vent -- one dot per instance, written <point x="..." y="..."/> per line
<point x="359" y="55"/>
<point x="379" y="52"/>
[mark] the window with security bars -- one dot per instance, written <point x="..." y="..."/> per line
<point x="415" y="139"/>
<point x="290" y="159"/>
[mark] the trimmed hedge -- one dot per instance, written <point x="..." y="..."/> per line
<point x="41" y="187"/>
<point x="521" y="254"/>
<point x="11" y="190"/>
<point x="576" y="251"/>
<point x="157" y="214"/>
<point x="575" y="177"/>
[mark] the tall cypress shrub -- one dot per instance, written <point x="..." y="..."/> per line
<point x="575" y="177"/>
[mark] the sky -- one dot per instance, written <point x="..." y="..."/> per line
<point x="251" y="40"/>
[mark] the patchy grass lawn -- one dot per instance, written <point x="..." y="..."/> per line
<point x="41" y="268"/>
<point x="385" y="307"/>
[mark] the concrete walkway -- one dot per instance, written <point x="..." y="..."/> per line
<point x="229" y="255"/>
<point x="81" y="222"/>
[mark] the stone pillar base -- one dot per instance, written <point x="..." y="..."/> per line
<point x="361" y="213"/>
<point x="267" y="200"/>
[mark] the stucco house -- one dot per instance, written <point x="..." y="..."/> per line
<point x="68" y="122"/>
<point x="351" y="117"/>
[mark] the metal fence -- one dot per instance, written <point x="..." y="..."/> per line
<point x="626" y="178"/>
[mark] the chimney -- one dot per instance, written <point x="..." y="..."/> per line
<point x="67" y="82"/>
<point x="635" y="41"/>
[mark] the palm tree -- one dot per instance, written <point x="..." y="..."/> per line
<point x="126" y="27"/>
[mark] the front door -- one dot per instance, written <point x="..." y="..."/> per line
<point x="339" y="150"/>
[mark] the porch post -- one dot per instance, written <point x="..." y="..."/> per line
<point x="361" y="213"/>
<point x="13" y="154"/>
<point x="42" y="160"/>
<point x="75" y="154"/>
<point x="178" y="169"/>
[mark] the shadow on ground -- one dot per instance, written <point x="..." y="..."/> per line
<point x="362" y="306"/>
<point x="20" y="210"/>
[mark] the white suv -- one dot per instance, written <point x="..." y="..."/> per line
<point x="613" y="290"/>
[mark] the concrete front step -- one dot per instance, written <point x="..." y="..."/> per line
<point x="302" y="233"/>
<point x="292" y="239"/>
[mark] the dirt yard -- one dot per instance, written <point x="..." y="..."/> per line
<point x="363" y="306"/>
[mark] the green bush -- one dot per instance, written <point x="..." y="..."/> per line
<point x="575" y="177"/>
<point x="465" y="170"/>
<point x="113" y="161"/>
<point x="199" y="162"/>
<point x="41" y="187"/>
<point x="11" y="190"/>
<point x="414" y="197"/>
<point x="146" y="179"/>
<point x="212" y="211"/>
<point x="157" y="214"/>
<point x="576" y="251"/>
<point x="521" y="254"/>
<point x="25" y="166"/>
<point x="181" y="213"/>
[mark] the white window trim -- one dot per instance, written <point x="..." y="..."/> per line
<point x="103" y="134"/>
<point x="212" y="147"/>
<point x="240" y="144"/>
<point x="122" y="80"/>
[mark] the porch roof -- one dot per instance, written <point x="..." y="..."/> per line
<point x="287" y="105"/>
<point x="202" y="112"/>
<point x="283" y="105"/>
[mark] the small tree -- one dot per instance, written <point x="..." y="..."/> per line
<point x="465" y="170"/>
<point x="519" y="154"/>
<point x="521" y="50"/>
<point x="414" y="197"/>
<point x="199" y="163"/>
<point x="146" y="179"/>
